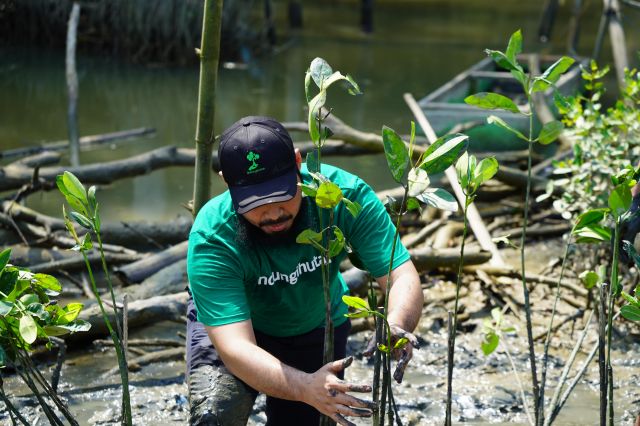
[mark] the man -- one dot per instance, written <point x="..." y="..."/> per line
<point x="258" y="294"/>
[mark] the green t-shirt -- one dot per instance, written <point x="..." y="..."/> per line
<point x="279" y="286"/>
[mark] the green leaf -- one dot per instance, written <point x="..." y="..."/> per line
<point x="308" y="236"/>
<point x="3" y="357"/>
<point x="8" y="281"/>
<point x="309" y="190"/>
<point x="47" y="281"/>
<point x="4" y="259"/>
<point x="359" y="314"/>
<point x="439" y="198"/>
<point x="337" y="76"/>
<point x="590" y="279"/>
<point x="401" y="343"/>
<point x="485" y="170"/>
<point x="355" y="302"/>
<point x="552" y="74"/>
<point x="312" y="162"/>
<point x="336" y="245"/>
<point x="620" y="200"/>
<point x="490" y="343"/>
<point x="29" y="298"/>
<point x="632" y="300"/>
<point x="492" y="119"/>
<point x="354" y="208"/>
<point x="514" y="48"/>
<point x="465" y="163"/>
<point x="550" y="132"/>
<point x="91" y="197"/>
<point x="28" y="329"/>
<point x="632" y="313"/>
<point x="60" y="330"/>
<point x="590" y="217"/>
<point x="329" y="195"/>
<point x="73" y="201"/>
<point x="354" y="89"/>
<point x="38" y="310"/>
<point x="307" y="86"/>
<point x="20" y="286"/>
<point x="5" y="307"/>
<point x="487" y="100"/>
<point x="75" y="187"/>
<point x="413" y="204"/>
<point x="314" y="109"/>
<point x="320" y="71"/>
<point x="592" y="234"/>
<point x="418" y="182"/>
<point x="86" y="242"/>
<point x="443" y="153"/>
<point x="383" y="348"/>
<point x="96" y="219"/>
<point x="71" y="312"/>
<point x="501" y="59"/>
<point x="396" y="153"/>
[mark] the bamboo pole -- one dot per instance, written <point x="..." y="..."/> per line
<point x="209" y="56"/>
<point x="72" y="86"/>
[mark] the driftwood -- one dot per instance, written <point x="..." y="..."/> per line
<point x="145" y="342"/>
<point x="427" y="258"/>
<point x="22" y="255"/>
<point x="442" y="238"/>
<point x="77" y="262"/>
<point x="140" y="312"/>
<point x="45" y="158"/>
<point x="85" y="142"/>
<point x="164" y="355"/>
<point x="413" y="239"/>
<point x="138" y="271"/>
<point x="169" y="280"/>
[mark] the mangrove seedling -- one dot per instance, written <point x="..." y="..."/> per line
<point x="471" y="175"/>
<point x="29" y="311"/>
<point x="85" y="212"/>
<point x="550" y="131"/>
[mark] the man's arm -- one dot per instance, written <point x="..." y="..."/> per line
<point x="405" y="307"/>
<point x="322" y="389"/>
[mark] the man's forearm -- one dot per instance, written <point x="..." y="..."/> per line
<point x="406" y="298"/>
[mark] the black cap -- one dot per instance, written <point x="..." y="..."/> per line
<point x="258" y="162"/>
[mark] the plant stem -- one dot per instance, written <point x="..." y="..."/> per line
<point x="525" y="289"/>
<point x="601" y="353"/>
<point x="10" y="406"/>
<point x="376" y="365"/>
<point x="545" y="356"/>
<point x="515" y="373"/>
<point x="613" y="291"/>
<point x="385" y="388"/>
<point x="452" y="335"/>
<point x="124" y="372"/>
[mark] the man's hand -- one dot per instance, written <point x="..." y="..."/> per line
<point x="328" y="394"/>
<point x="403" y="355"/>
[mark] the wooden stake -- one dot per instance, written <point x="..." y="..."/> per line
<point x="72" y="86"/>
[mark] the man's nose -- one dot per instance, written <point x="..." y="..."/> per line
<point x="272" y="212"/>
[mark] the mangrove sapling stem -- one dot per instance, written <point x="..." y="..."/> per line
<point x="545" y="356"/>
<point x="377" y="361"/>
<point x="13" y="411"/>
<point x="602" y="326"/>
<point x="554" y="407"/>
<point x="525" y="289"/>
<point x="124" y="372"/>
<point x="385" y="388"/>
<point x="515" y="373"/>
<point x="454" y="326"/>
<point x="613" y="290"/>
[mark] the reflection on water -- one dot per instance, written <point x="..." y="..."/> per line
<point x="415" y="48"/>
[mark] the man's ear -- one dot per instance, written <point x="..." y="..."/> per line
<point x="221" y="177"/>
<point x="298" y="158"/>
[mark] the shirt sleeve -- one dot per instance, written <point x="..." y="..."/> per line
<point x="372" y="232"/>
<point x="216" y="281"/>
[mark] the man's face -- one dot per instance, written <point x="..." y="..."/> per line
<point x="275" y="218"/>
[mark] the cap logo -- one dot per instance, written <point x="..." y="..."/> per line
<point x="254" y="167"/>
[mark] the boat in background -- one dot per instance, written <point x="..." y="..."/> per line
<point x="445" y="107"/>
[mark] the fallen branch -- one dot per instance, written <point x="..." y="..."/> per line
<point x="144" y="268"/>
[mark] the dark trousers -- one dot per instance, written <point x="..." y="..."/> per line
<point x="218" y="398"/>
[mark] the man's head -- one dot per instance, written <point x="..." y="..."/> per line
<point x="260" y="165"/>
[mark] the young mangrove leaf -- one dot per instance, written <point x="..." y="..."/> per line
<point x="484" y="171"/>
<point x="355" y="302"/>
<point x="514" y="47"/>
<point x="488" y="100"/>
<point x="501" y="59"/>
<point x="632" y="313"/>
<point x="28" y="329"/>
<point x="337" y="244"/>
<point x="337" y="76"/>
<point x="91" y="197"/>
<point x="309" y="236"/>
<point x="492" y="119"/>
<point x="314" y="109"/>
<point x="71" y="312"/>
<point x="359" y="314"/>
<point x="82" y="220"/>
<point x="354" y="208"/>
<point x="5" y="308"/>
<point x="307" y="86"/>
<point x="74" y="187"/>
<point x="439" y="198"/>
<point x="489" y="343"/>
<point x="73" y="201"/>
<point x="4" y="259"/>
<point x="329" y="195"/>
<point x="552" y="74"/>
<point x="8" y="281"/>
<point x="620" y="200"/>
<point x="355" y="88"/>
<point x="312" y="162"/>
<point x="632" y="300"/>
<point x="320" y="71"/>
<point x="308" y="189"/>
<point x="592" y="234"/>
<point x="550" y="132"/>
<point x="590" y="279"/>
<point x="47" y="281"/>
<point x="29" y="298"/>
<point x="396" y="153"/>
<point x="413" y="204"/>
<point x="401" y="343"/>
<point x="418" y="182"/>
<point x="443" y="153"/>
<point x="463" y="170"/>
<point x="383" y="348"/>
<point x="590" y="217"/>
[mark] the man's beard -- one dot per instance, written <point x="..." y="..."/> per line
<point x="248" y="234"/>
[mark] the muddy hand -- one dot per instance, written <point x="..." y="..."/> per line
<point x="404" y="354"/>
<point x="328" y="394"/>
